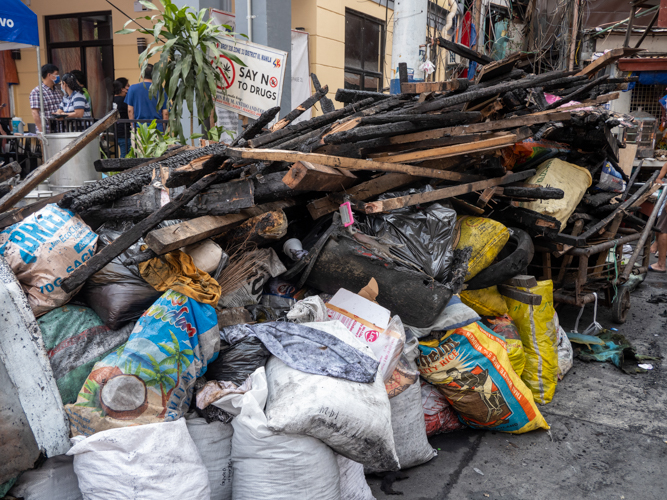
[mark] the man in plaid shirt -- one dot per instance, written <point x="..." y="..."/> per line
<point x="52" y="96"/>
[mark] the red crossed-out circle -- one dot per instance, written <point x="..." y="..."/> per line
<point x="226" y="63"/>
<point x="273" y="82"/>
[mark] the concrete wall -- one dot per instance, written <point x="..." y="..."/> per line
<point x="656" y="42"/>
<point x="125" y="46"/>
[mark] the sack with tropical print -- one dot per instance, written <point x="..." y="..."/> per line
<point x="151" y="377"/>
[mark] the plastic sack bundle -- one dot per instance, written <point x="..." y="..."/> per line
<point x="471" y="368"/>
<point x="420" y="237"/>
<point x="236" y="362"/>
<point x="54" y="479"/>
<point x="540" y="341"/>
<point x="565" y="352"/>
<point x="485" y="302"/>
<point x="214" y="444"/>
<point x="438" y="413"/>
<point x="150" y="378"/>
<point x="610" y="180"/>
<point x="75" y="339"/>
<point x="485" y="236"/>
<point x="353" y="418"/>
<point x="43" y="249"/>
<point x="144" y="462"/>
<point x="267" y="265"/>
<point x="504" y="327"/>
<point x="353" y="485"/>
<point x="572" y="179"/>
<point x="407" y="418"/>
<point x="118" y="293"/>
<point x="271" y="465"/>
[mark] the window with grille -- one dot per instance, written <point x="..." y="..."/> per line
<point x="363" y="51"/>
<point x="646" y="97"/>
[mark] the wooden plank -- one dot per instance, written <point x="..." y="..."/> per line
<point x="129" y="237"/>
<point x="348" y="163"/>
<point x="256" y="127"/>
<point x="363" y="191"/>
<point x="583" y="104"/>
<point x="301" y="108"/>
<point x="605" y="60"/>
<point x="497" y="68"/>
<point x="522" y="280"/>
<point x="167" y="239"/>
<point x="306" y="176"/>
<point x="519" y="121"/>
<point x="520" y="295"/>
<point x="457" y="149"/>
<point x="441" y="194"/>
<point x="18" y="214"/>
<point x="486" y="195"/>
<point x="41" y="173"/>
<point x="463" y="51"/>
<point x="448" y="86"/>
<point x="626" y="157"/>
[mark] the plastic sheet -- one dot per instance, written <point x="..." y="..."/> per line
<point x="237" y="362"/>
<point x="420" y="237"/>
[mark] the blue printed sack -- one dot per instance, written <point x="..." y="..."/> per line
<point x="43" y="250"/>
<point x="151" y="377"/>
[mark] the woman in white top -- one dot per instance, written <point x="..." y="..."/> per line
<point x="74" y="104"/>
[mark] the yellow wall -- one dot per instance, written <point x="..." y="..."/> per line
<point x="125" y="46"/>
<point x="324" y="20"/>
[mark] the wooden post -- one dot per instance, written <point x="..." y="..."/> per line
<point x="58" y="160"/>
<point x="573" y="38"/>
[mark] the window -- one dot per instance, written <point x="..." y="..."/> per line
<point x="364" y="51"/>
<point x="84" y="41"/>
<point x="645" y="98"/>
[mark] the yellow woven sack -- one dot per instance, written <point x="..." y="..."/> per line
<point x="485" y="302"/>
<point x="572" y="179"/>
<point x="504" y="326"/>
<point x="540" y="343"/>
<point x="470" y="367"/>
<point x="486" y="237"/>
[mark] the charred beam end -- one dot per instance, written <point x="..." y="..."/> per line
<point x="349" y="96"/>
<point x="186" y="175"/>
<point x="256" y="127"/>
<point x="463" y="51"/>
<point x="325" y="102"/>
<point x="301" y="108"/>
<point x="538" y="193"/>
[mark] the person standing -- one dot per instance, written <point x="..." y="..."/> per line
<point x="52" y="96"/>
<point x="81" y="78"/>
<point x="139" y="104"/>
<point x="74" y="104"/>
<point x="661" y="229"/>
<point x="123" y="131"/>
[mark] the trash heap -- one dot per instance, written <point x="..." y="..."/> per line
<point x="214" y="322"/>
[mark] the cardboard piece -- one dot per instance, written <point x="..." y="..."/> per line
<point x="626" y="157"/>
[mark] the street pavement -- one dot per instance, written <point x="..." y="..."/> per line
<point x="608" y="437"/>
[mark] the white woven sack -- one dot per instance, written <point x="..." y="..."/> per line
<point x="214" y="443"/>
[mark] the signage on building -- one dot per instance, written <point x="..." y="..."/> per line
<point x="258" y="86"/>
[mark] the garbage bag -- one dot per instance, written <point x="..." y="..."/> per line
<point x="572" y="179"/>
<point x="353" y="485"/>
<point x="147" y="462"/>
<point x="540" y="342"/>
<point x="565" y="352"/>
<point x="504" y="327"/>
<point x="177" y="271"/>
<point x="214" y="444"/>
<point x="309" y="310"/>
<point x="407" y="418"/>
<point x="150" y="378"/>
<point x="54" y="479"/>
<point x="485" y="302"/>
<point x="486" y="237"/>
<point x="439" y="415"/>
<point x="118" y="293"/>
<point x="422" y="237"/>
<point x="236" y="362"/>
<point x="43" y="249"/>
<point x="471" y="368"/>
<point x="455" y="315"/>
<point x="610" y="180"/>
<point x="273" y="465"/>
<point x="353" y="418"/>
<point x="75" y="339"/>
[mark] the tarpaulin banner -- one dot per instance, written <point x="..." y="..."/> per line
<point x="258" y="86"/>
<point x="300" y="72"/>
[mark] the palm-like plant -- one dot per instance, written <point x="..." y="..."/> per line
<point x="176" y="355"/>
<point x="159" y="378"/>
<point x="186" y="44"/>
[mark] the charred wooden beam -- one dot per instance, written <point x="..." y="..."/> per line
<point x="577" y="93"/>
<point x="325" y="102"/>
<point x="538" y="193"/>
<point x="350" y="96"/>
<point x="260" y="230"/>
<point x="306" y="176"/>
<point x="463" y="51"/>
<point x="301" y="108"/>
<point x="256" y="127"/>
<point x="9" y="171"/>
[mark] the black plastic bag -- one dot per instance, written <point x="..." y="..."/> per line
<point x="237" y="362"/>
<point x="423" y="237"/>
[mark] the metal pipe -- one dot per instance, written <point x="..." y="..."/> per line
<point x="568" y="299"/>
<point x="41" y="105"/>
<point x="644" y="235"/>
<point x="249" y="7"/>
<point x="601" y="247"/>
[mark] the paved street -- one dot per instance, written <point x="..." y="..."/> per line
<point x="608" y="436"/>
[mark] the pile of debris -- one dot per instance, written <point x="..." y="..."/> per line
<point x="331" y="291"/>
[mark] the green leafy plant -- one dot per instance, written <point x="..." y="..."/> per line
<point x="215" y="133"/>
<point x="186" y="45"/>
<point x="149" y="142"/>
